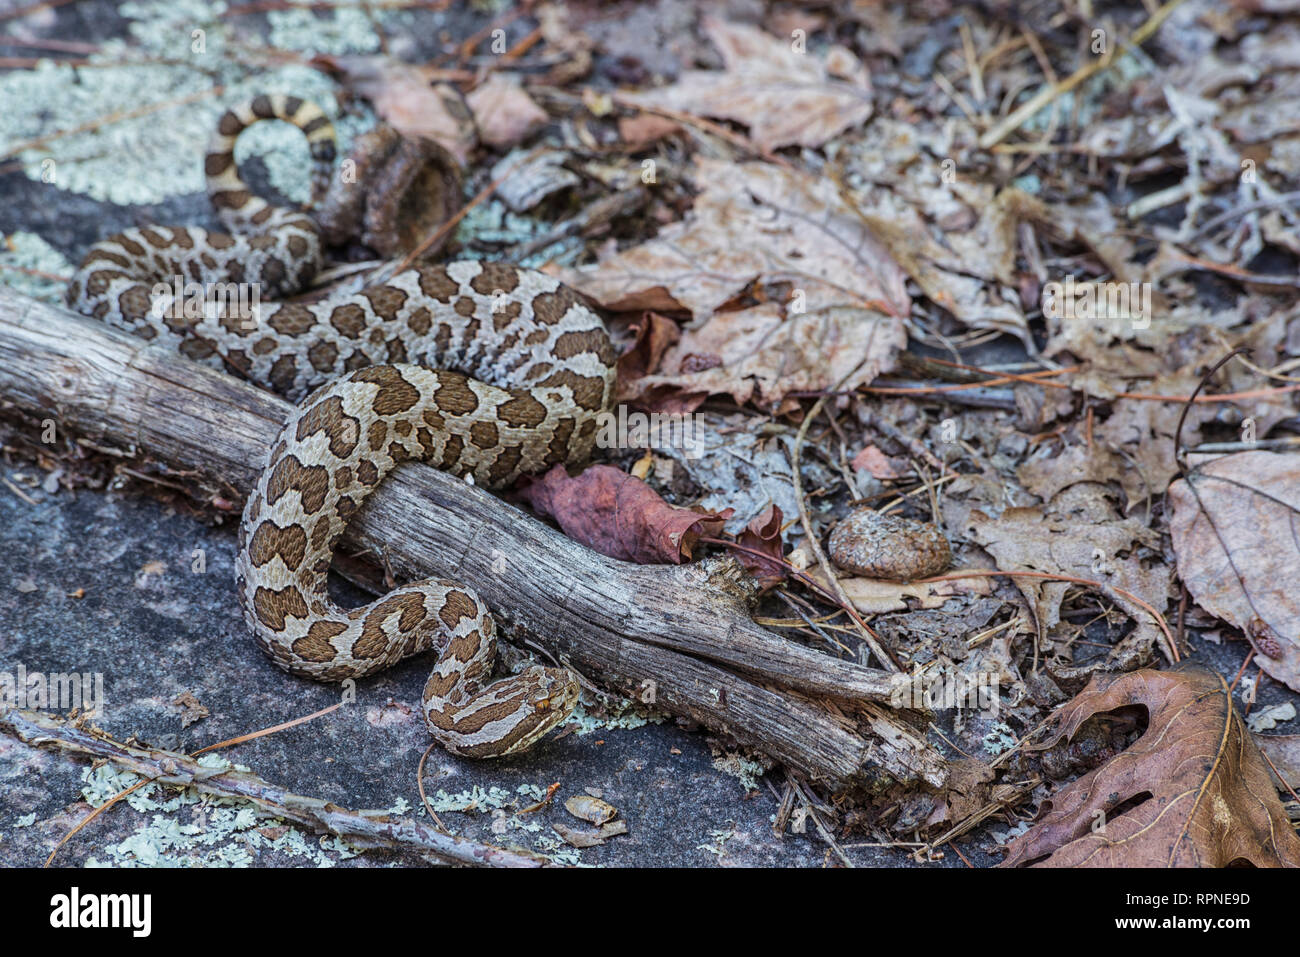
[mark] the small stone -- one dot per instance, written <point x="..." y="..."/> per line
<point x="886" y="546"/>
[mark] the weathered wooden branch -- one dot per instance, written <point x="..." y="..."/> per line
<point x="686" y="629"/>
<point x="362" y="828"/>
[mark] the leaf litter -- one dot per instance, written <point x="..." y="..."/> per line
<point x="822" y="217"/>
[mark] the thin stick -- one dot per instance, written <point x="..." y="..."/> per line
<point x="1159" y="619"/>
<point x="1053" y="92"/>
<point x="211" y="747"/>
<point x="179" y="770"/>
<point x="112" y="118"/>
<point x="419" y="781"/>
<point x="877" y="647"/>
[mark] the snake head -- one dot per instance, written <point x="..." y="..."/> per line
<point x="556" y="691"/>
<point x="552" y="694"/>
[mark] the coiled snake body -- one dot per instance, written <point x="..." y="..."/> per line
<point x="533" y="367"/>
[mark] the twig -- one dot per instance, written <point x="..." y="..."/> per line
<point x="1159" y="619"/>
<point x="1055" y="91"/>
<point x="880" y="651"/>
<point x="1236" y="272"/>
<point x="111" y="118"/>
<point x="1216" y="221"/>
<point x="180" y="770"/>
<point x="20" y="493"/>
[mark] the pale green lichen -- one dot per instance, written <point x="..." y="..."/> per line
<point x="999" y="738"/>
<point x="720" y="838"/>
<point x="159" y="154"/>
<point x="341" y="30"/>
<point x="611" y="712"/>
<point x="503" y="805"/>
<point x="476" y="799"/>
<point x="559" y="852"/>
<point x="166" y="28"/>
<point x="494" y="222"/>
<point x="32" y="266"/>
<point x="400" y="807"/>
<point x="745" y="765"/>
<point x="220" y="833"/>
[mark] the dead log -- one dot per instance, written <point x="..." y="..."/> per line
<point x="681" y="632"/>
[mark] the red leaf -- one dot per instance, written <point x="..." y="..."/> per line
<point x="654" y="334"/>
<point x="763" y="534"/>
<point x="619" y="515"/>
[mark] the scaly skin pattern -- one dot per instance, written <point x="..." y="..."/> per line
<point x="482" y="369"/>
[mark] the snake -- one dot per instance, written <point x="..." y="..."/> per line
<point x="486" y="370"/>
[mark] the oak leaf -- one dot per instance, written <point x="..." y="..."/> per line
<point x="1192" y="791"/>
<point x="1234" y="530"/>
<point x="757" y="354"/>
<point x="753" y="222"/>
<point x="784" y="95"/>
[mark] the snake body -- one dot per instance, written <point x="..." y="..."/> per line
<point x="485" y="370"/>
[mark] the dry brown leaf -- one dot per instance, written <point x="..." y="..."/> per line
<point x="1234" y="528"/>
<point x="404" y="96"/>
<point x="753" y="221"/>
<point x="590" y="809"/>
<point x="654" y="335"/>
<point x="879" y="465"/>
<point x="1145" y="430"/>
<point x="590" y="838"/>
<point x="1073" y="465"/>
<point x="1283" y="750"/>
<point x="785" y="97"/>
<point x="638" y="132"/>
<point x="756" y="354"/>
<point x="1079" y="535"/>
<point x="192" y="710"/>
<point x="1192" y="791"/>
<point x="971" y="273"/>
<point x="874" y="596"/>
<point x="619" y="515"/>
<point x="969" y="785"/>
<point x="1136" y="440"/>
<point x="504" y="112"/>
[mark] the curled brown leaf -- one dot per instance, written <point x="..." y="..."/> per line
<point x="619" y="515"/>
<point x="1192" y="791"/>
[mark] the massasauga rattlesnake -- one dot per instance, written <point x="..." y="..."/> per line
<point x="533" y="366"/>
